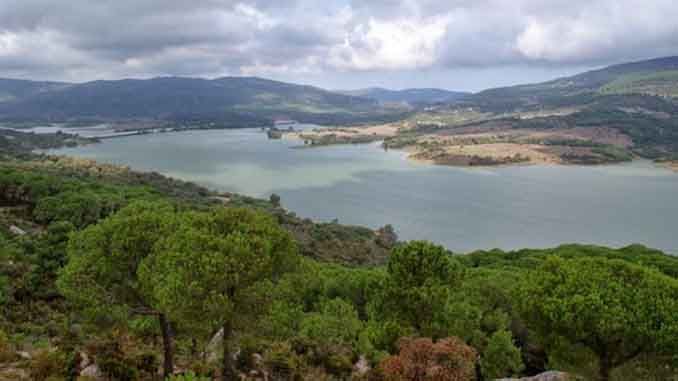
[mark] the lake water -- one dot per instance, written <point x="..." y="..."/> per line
<point x="463" y="209"/>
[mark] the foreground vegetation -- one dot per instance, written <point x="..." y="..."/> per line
<point x="110" y="274"/>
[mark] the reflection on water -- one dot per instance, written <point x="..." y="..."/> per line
<point x="464" y="209"/>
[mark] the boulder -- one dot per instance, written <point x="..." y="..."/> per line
<point x="92" y="372"/>
<point x="16" y="230"/>
<point x="362" y="367"/>
<point x="24" y="355"/>
<point x="11" y="373"/>
<point x="85" y="361"/>
<point x="213" y="349"/>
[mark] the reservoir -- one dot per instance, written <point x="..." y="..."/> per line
<point x="463" y="209"/>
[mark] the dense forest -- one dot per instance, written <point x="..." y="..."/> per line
<point x="110" y="274"/>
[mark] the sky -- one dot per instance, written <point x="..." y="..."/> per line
<point x="335" y="44"/>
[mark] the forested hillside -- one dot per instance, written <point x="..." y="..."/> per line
<point x="111" y="274"/>
<point x="582" y="88"/>
<point x="414" y="97"/>
<point x="246" y="100"/>
<point x="609" y="115"/>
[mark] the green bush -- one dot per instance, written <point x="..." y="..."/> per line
<point x="282" y="362"/>
<point x="48" y="365"/>
<point x="188" y="376"/>
<point x="249" y="346"/>
<point x="501" y="358"/>
<point x="113" y="362"/>
<point x="6" y="351"/>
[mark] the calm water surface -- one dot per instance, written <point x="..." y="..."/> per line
<point x="464" y="209"/>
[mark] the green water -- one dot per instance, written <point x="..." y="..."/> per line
<point x="464" y="209"/>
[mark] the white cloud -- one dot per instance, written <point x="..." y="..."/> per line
<point x="561" y="41"/>
<point x="392" y="45"/>
<point x="92" y="39"/>
<point x="260" y="19"/>
<point x="601" y="30"/>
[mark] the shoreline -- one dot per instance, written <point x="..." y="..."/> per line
<point x="468" y="149"/>
<point x="670" y="165"/>
<point x="409" y="152"/>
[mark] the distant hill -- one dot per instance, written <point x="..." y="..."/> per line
<point x="231" y="99"/>
<point x="651" y="77"/>
<point x="409" y="96"/>
<point x="13" y="89"/>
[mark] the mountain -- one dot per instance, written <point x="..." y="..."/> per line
<point x="638" y="100"/>
<point x="409" y="96"/>
<point x="656" y="77"/>
<point x="12" y="89"/>
<point x="230" y="99"/>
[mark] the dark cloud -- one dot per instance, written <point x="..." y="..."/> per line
<point x="85" y="39"/>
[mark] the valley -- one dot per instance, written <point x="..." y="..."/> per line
<point x="168" y="226"/>
<point x="397" y="190"/>
<point x="606" y="116"/>
<point x="511" y="206"/>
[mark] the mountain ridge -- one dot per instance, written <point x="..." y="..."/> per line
<point x="412" y="96"/>
<point x="181" y="98"/>
<point x="249" y="100"/>
<point x="572" y="90"/>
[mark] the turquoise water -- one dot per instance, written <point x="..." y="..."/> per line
<point x="463" y="209"/>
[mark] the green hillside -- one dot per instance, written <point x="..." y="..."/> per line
<point x="129" y="276"/>
<point x="652" y="77"/>
<point x="14" y="89"/>
<point x="414" y="97"/>
<point x="230" y="100"/>
<point x="661" y="83"/>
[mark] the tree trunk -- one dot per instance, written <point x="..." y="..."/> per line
<point x="604" y="368"/>
<point x="228" y="373"/>
<point x="168" y="364"/>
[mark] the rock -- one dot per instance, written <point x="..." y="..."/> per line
<point x="255" y="375"/>
<point x="92" y="372"/>
<point x="16" y="230"/>
<point x="361" y="367"/>
<point x="546" y="376"/>
<point x="258" y="360"/>
<point x="24" y="355"/>
<point x="84" y="360"/>
<point x="12" y="373"/>
<point x="213" y="349"/>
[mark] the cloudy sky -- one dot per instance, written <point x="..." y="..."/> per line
<point x="454" y="44"/>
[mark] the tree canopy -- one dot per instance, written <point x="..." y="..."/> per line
<point x="420" y="276"/>
<point x="616" y="309"/>
<point x="203" y="272"/>
<point x="104" y="261"/>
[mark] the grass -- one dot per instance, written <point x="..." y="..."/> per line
<point x="663" y="83"/>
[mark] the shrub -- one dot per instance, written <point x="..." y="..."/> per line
<point x="188" y="376"/>
<point x="147" y="363"/>
<point x="448" y="359"/>
<point x="248" y="348"/>
<point x="501" y="357"/>
<point x="282" y="362"/>
<point x="113" y="362"/>
<point x="6" y="351"/>
<point x="46" y="365"/>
